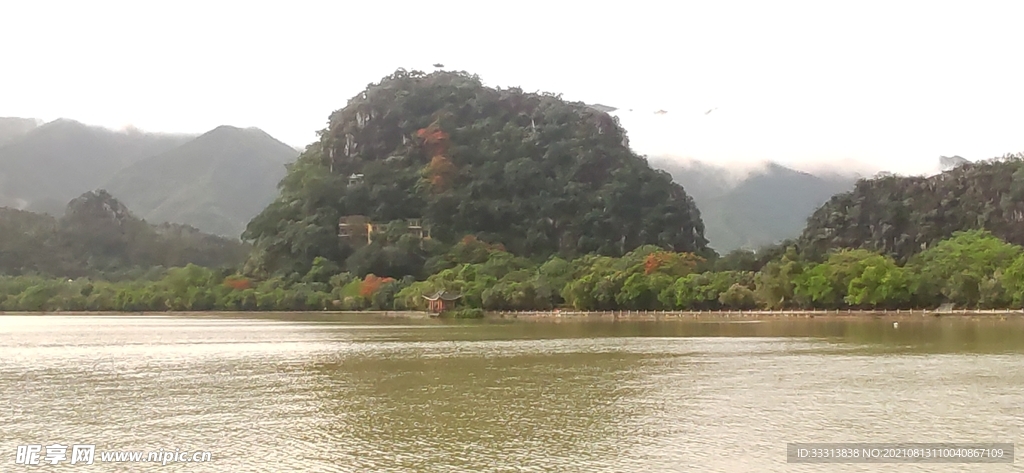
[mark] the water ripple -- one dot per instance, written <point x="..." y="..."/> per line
<point x="272" y="395"/>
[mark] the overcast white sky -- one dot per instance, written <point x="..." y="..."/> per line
<point x="893" y="84"/>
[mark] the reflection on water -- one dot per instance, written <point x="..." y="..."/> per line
<point x="320" y="393"/>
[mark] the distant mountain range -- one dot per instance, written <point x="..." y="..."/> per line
<point x="215" y="182"/>
<point x="43" y="169"/>
<point x="12" y="128"/>
<point x="764" y="206"/>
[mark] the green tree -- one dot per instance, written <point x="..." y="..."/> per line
<point x="775" y="283"/>
<point x="738" y="297"/>
<point x="881" y="284"/>
<point x="955" y="269"/>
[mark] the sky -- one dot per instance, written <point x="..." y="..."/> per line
<point x="872" y="84"/>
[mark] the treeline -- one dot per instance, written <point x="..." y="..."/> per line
<point x="99" y="237"/>
<point x="972" y="270"/>
<point x="194" y="288"/>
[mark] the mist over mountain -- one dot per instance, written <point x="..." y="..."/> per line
<point x="216" y="182"/>
<point x="12" y="128"/>
<point x="51" y="164"/>
<point x="748" y="207"/>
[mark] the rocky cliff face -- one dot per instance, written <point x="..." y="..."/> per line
<point x="901" y="216"/>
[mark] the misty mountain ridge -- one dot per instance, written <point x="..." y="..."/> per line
<point x="754" y="204"/>
<point x="732" y="174"/>
<point x="216" y="182"/>
<point x="12" y="128"/>
<point x="43" y="169"/>
<point x="748" y="205"/>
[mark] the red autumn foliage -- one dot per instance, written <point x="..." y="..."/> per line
<point x="238" y="283"/>
<point x="371" y="284"/>
<point x="652" y="262"/>
<point x="435" y="139"/>
<point x="432" y="135"/>
<point x="674" y="264"/>
<point x="440" y="172"/>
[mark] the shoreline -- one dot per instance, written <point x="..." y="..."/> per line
<point x="398" y="314"/>
<point x="630" y="315"/>
<point x="753" y="314"/>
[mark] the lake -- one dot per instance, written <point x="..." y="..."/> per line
<point x="355" y="393"/>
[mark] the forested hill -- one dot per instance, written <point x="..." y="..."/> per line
<point x="530" y="171"/>
<point x="50" y="165"/>
<point x="749" y="210"/>
<point x="216" y="182"/>
<point x="98" y="235"/>
<point x="901" y="216"/>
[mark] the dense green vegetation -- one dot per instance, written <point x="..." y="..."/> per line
<point x="901" y="216"/>
<point x="533" y="172"/>
<point x="98" y="236"/>
<point x="761" y="208"/>
<point x="972" y="269"/>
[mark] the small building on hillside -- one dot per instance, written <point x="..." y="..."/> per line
<point x="441" y="301"/>
<point x="356" y="227"/>
<point x="360" y="229"/>
<point x="416" y="228"/>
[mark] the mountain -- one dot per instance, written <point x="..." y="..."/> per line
<point x="12" y="128"/>
<point x="97" y="235"/>
<point x="754" y="208"/>
<point x="216" y="182"/>
<point x="53" y="163"/>
<point x="901" y="216"/>
<point x="532" y="172"/>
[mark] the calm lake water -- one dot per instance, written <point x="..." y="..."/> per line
<point x="330" y="393"/>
